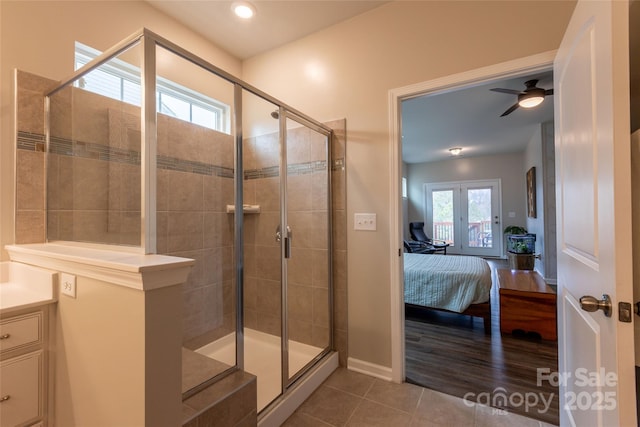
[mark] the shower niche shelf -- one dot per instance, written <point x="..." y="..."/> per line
<point x="248" y="209"/>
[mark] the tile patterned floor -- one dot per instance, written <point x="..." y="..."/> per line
<point x="352" y="399"/>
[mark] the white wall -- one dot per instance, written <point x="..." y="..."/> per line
<point x="533" y="158"/>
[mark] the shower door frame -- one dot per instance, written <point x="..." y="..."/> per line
<point x="149" y="41"/>
<point x="285" y="114"/>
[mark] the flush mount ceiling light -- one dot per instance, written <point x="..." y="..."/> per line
<point x="531" y="99"/>
<point x="243" y="9"/>
<point x="455" y="151"/>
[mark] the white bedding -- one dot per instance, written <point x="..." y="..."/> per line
<point x="448" y="282"/>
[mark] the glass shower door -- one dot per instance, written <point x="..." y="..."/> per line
<point x="286" y="241"/>
<point x="262" y="181"/>
<point x="306" y="252"/>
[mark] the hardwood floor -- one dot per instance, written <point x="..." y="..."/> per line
<point x="451" y="353"/>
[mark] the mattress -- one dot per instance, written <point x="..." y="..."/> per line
<point x="448" y="282"/>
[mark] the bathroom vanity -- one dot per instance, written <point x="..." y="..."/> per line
<point x="26" y="296"/>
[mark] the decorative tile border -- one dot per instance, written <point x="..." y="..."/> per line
<point x="31" y="141"/>
<point x="66" y="147"/>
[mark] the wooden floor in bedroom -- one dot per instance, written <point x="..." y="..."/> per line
<point x="451" y="353"/>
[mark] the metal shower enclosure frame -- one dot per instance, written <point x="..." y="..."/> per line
<point x="149" y="41"/>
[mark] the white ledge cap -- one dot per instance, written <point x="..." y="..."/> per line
<point x="120" y="267"/>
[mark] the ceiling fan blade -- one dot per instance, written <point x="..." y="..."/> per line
<point x="548" y="92"/>
<point x="509" y="91"/>
<point x="510" y="110"/>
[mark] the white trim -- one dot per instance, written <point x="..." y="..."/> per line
<point x="371" y="369"/>
<point x="520" y="66"/>
<point x="141" y="272"/>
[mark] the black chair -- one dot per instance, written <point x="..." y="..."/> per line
<point x="418" y="248"/>
<point x="416" y="230"/>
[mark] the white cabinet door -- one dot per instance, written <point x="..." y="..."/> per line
<point x="21" y="389"/>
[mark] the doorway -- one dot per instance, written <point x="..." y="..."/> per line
<point x="518" y="68"/>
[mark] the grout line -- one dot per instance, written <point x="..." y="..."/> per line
<point x="354" y="411"/>
<point x="304" y="414"/>
<point x="415" y="410"/>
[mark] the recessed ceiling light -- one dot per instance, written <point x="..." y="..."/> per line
<point x="243" y="9"/>
<point x="455" y="151"/>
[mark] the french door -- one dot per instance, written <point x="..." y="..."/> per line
<point x="465" y="214"/>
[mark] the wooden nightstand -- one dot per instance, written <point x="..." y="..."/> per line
<point x="527" y="303"/>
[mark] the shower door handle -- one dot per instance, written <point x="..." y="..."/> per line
<point x="287" y="243"/>
<point x="287" y="240"/>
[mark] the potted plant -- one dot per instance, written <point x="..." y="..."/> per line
<point x="515" y="229"/>
<point x="520" y="247"/>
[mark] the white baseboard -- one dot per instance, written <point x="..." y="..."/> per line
<point x="367" y="368"/>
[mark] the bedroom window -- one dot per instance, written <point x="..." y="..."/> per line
<point x="466" y="215"/>
<point x="120" y="80"/>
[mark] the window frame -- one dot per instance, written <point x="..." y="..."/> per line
<point x="126" y="72"/>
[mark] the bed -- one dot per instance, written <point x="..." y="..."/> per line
<point x="459" y="284"/>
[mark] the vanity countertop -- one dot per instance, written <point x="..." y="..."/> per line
<point x="25" y="286"/>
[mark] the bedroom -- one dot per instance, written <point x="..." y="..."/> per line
<point x="496" y="149"/>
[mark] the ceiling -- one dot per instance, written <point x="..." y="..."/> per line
<point x="275" y="23"/>
<point x="470" y="119"/>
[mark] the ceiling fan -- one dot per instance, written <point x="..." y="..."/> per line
<point x="531" y="97"/>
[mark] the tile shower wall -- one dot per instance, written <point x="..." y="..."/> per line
<point x="94" y="191"/>
<point x="93" y="169"/>
<point x="30" y="175"/>
<point x="194" y="186"/>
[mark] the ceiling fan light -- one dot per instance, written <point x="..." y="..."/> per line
<point x="243" y="9"/>
<point x="531" y="101"/>
<point x="455" y="151"/>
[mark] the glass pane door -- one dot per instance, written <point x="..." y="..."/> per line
<point x="466" y="215"/>
<point x="262" y="245"/>
<point x="307" y="252"/>
<point x="443" y="219"/>
<point x="481" y="219"/>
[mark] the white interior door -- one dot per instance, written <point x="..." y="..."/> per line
<point x="594" y="216"/>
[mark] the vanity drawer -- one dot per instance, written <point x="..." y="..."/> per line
<point x="20" y="331"/>
<point x="21" y="389"/>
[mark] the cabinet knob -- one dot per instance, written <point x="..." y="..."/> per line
<point x="5" y="336"/>
<point x="5" y="398"/>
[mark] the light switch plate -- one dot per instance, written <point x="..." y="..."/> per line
<point x="68" y="284"/>
<point x="365" y="221"/>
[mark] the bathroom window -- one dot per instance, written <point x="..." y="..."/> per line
<point x="119" y="80"/>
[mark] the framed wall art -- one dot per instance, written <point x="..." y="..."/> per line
<point x="531" y="192"/>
